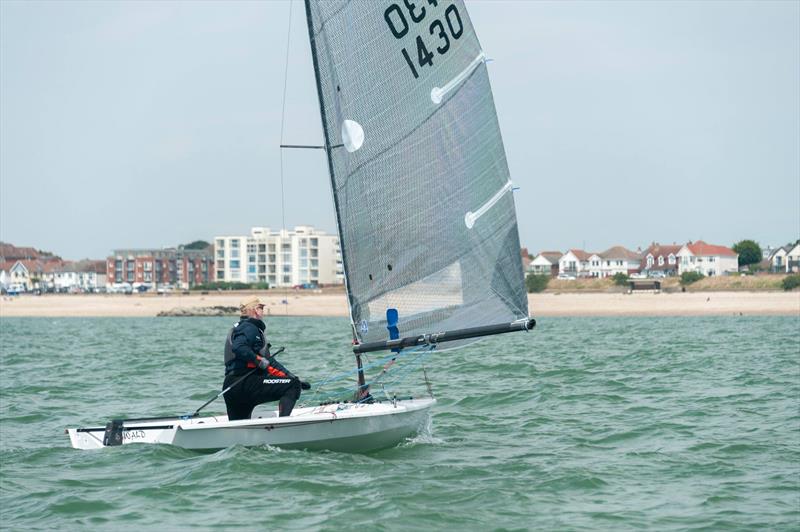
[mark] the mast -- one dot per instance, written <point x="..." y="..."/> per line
<point x="328" y="147"/>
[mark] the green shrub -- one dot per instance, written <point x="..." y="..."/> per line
<point x="620" y="279"/>
<point x="536" y="283"/>
<point x="790" y="282"/>
<point x="688" y="278"/>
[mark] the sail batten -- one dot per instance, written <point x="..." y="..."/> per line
<point x="421" y="188"/>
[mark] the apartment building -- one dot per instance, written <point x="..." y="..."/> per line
<point x="282" y="258"/>
<point x="179" y="267"/>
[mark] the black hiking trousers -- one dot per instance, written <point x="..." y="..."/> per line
<point x="256" y="389"/>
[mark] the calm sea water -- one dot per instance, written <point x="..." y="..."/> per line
<point x="604" y="423"/>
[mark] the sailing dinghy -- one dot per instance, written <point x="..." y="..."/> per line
<point x="347" y="427"/>
<point x="425" y="214"/>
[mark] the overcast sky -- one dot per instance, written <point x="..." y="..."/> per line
<point x="151" y="124"/>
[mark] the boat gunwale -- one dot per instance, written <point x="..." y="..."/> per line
<point x="276" y="422"/>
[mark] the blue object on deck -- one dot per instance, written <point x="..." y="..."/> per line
<point x="392" y="317"/>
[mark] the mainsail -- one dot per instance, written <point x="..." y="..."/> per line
<point x="421" y="186"/>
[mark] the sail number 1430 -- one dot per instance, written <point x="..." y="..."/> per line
<point x="442" y="31"/>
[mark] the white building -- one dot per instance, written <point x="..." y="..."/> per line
<point x="281" y="258"/>
<point x="614" y="260"/>
<point x="52" y="276"/>
<point x="82" y="276"/>
<point x="580" y="263"/>
<point x="70" y="279"/>
<point x="16" y="276"/>
<point x="793" y="259"/>
<point x="574" y="262"/>
<point x="595" y="265"/>
<point x="785" y="259"/>
<point x="545" y="263"/>
<point x="707" y="259"/>
<point x="777" y="260"/>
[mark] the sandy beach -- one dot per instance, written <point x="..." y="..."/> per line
<point x="335" y="304"/>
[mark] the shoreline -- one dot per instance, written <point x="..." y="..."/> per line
<point x="335" y="304"/>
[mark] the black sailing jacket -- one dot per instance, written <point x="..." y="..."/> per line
<point x="249" y="341"/>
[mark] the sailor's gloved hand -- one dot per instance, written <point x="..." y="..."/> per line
<point x="263" y="363"/>
<point x="304" y="385"/>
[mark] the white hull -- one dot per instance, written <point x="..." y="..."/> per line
<point x="344" y="427"/>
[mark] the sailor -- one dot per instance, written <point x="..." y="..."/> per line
<point x="246" y="348"/>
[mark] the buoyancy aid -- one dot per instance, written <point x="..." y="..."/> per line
<point x="229" y="356"/>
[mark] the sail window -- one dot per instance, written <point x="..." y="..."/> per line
<point x="438" y="93"/>
<point x="471" y="217"/>
<point x="442" y="289"/>
<point x="352" y="135"/>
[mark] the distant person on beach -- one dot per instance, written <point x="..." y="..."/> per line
<point x="247" y="349"/>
